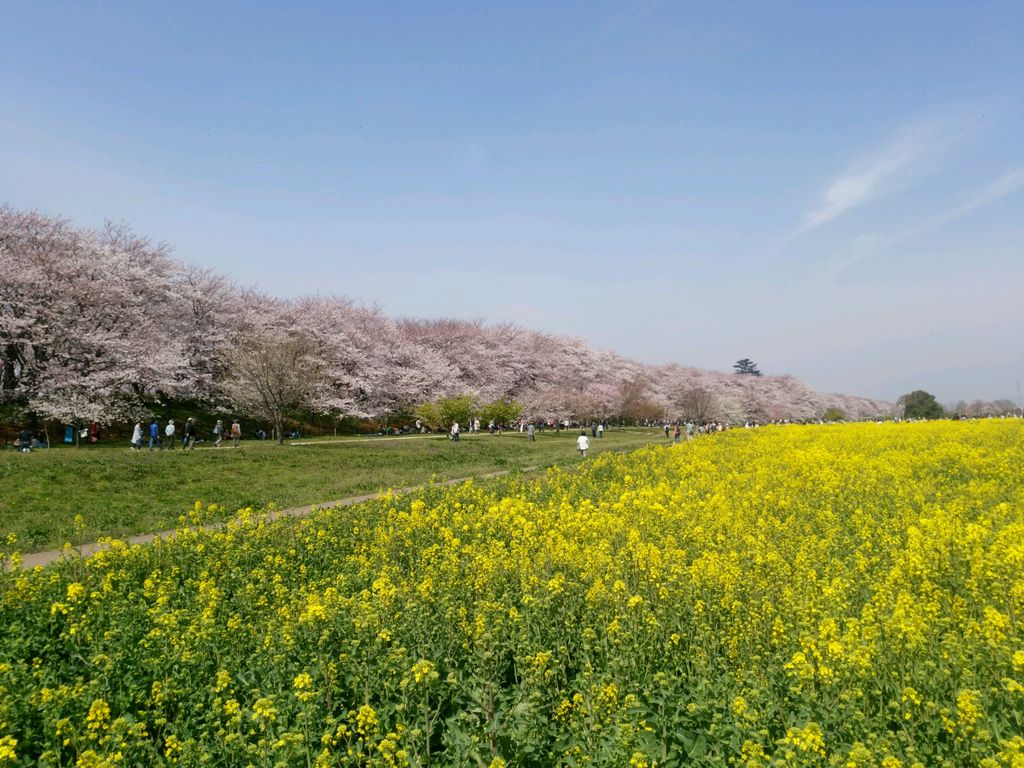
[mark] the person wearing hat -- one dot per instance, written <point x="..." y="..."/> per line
<point x="190" y="435"/>
<point x="218" y="433"/>
<point x="169" y="434"/>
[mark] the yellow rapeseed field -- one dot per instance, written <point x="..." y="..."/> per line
<point x="794" y="596"/>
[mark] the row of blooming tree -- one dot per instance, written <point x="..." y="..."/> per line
<point x="108" y="326"/>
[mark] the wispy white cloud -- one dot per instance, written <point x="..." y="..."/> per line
<point x="871" y="176"/>
<point x="995" y="190"/>
<point x="868" y="245"/>
<point x="855" y="188"/>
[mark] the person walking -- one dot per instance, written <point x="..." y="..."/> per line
<point x="218" y="433"/>
<point x="236" y="433"/>
<point x="190" y="435"/>
<point x="582" y="443"/>
<point x="154" y="434"/>
<point x="600" y="430"/>
<point x="531" y="432"/>
<point x="677" y="435"/>
<point x="455" y="431"/>
<point x="137" y="436"/>
<point x="169" y="434"/>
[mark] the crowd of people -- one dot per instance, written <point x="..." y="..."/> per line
<point x="526" y="427"/>
<point x="157" y="439"/>
<point x="170" y="436"/>
<point x="676" y="429"/>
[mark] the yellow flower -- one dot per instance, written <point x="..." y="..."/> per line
<point x="75" y="592"/>
<point x="423" y="670"/>
<point x="808" y="740"/>
<point x="303" y="685"/>
<point x="99" y="716"/>
<point x="968" y="708"/>
<point x="223" y="681"/>
<point x="7" y="751"/>
<point x="172" y="748"/>
<point x="366" y="720"/>
<point x="264" y="711"/>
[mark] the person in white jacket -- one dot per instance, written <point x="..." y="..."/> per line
<point x="583" y="444"/>
<point x="169" y="433"/>
<point x="137" y="436"/>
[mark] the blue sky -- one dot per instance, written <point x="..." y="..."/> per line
<point x="834" y="190"/>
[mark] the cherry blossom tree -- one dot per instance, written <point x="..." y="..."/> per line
<point x="370" y="368"/>
<point x="105" y="325"/>
<point x="635" y="403"/>
<point x="205" y="311"/>
<point x="82" y="318"/>
<point x="28" y="242"/>
<point x="275" y="368"/>
<point x="696" y="404"/>
<point x="481" y="360"/>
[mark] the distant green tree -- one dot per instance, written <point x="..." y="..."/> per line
<point x="501" y="411"/>
<point x="459" y="409"/>
<point x="921" y="405"/>
<point x="430" y="415"/>
<point x="834" y="414"/>
<point x="747" y="366"/>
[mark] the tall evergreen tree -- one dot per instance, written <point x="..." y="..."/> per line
<point x="747" y="366"/>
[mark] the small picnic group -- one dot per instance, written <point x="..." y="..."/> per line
<point x="189" y="435"/>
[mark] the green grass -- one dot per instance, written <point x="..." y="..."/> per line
<point x="117" y="492"/>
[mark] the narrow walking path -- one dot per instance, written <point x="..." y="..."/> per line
<point x="33" y="559"/>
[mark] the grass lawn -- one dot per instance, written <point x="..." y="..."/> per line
<point x="117" y="492"/>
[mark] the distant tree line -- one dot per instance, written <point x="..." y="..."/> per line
<point x="920" y="404"/>
<point x="104" y="325"/>
<point x="982" y="407"/>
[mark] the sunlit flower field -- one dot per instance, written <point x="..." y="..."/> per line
<point x="797" y="596"/>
